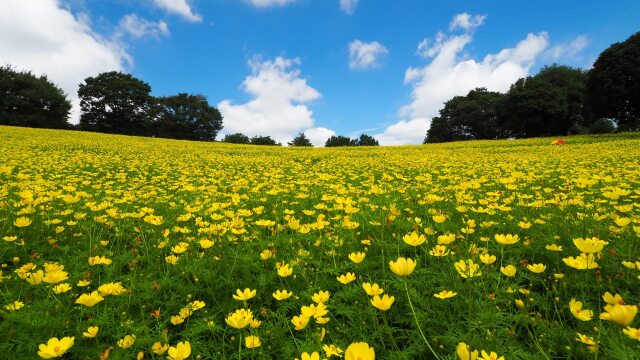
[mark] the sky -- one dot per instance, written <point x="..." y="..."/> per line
<point x="322" y="67"/>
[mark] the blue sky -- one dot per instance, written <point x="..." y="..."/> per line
<point x="279" y="67"/>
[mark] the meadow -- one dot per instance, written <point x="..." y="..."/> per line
<point x="125" y="247"/>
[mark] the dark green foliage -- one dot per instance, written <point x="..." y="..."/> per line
<point x="366" y="140"/>
<point x="547" y="104"/>
<point x="264" y="140"/>
<point x="300" y="140"/>
<point x="29" y="100"/>
<point x="470" y="117"/>
<point x="337" y="141"/>
<point x="613" y="87"/>
<point x="187" y="117"/>
<point x="115" y="103"/>
<point x="236" y="138"/>
<point x="601" y="126"/>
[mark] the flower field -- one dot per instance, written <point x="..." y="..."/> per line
<point x="122" y="247"/>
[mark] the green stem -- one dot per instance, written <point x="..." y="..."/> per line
<point x="406" y="288"/>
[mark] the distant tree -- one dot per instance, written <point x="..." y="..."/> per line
<point x="601" y="126"/>
<point x="264" y="140"/>
<point x="33" y="101"/>
<point x="188" y="117"/>
<point x="336" y="141"/>
<point x="116" y="103"/>
<point x="547" y="104"/>
<point x="366" y="140"/>
<point x="236" y="138"/>
<point x="613" y="86"/>
<point x="300" y="140"/>
<point x="470" y="117"/>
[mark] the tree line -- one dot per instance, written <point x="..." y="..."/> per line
<point x="559" y="100"/>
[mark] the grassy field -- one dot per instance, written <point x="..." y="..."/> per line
<point x="140" y="247"/>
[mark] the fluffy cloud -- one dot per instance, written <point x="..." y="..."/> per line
<point x="450" y="73"/>
<point x="44" y="37"/>
<point x="466" y="22"/>
<point x="269" y="3"/>
<point x="319" y="135"/>
<point x="363" y="56"/>
<point x="348" y="6"/>
<point x="278" y="107"/>
<point x="138" y="27"/>
<point x="180" y="8"/>
<point x="568" y="50"/>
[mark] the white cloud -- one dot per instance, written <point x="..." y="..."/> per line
<point x="466" y="22"/>
<point x="568" y="50"/>
<point x="348" y="6"/>
<point x="44" y="37"/>
<point x="138" y="27"/>
<point x="269" y="3"/>
<point x="450" y="73"/>
<point x="363" y="56"/>
<point x="179" y="7"/>
<point x="319" y="135"/>
<point x="278" y="107"/>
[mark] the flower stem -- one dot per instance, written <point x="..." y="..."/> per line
<point x="406" y="288"/>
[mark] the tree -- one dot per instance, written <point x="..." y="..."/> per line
<point x="336" y="141"/>
<point x="300" y="140"/>
<point x="236" y="138"/>
<point x="613" y="86"/>
<point x="548" y="104"/>
<point x="366" y="140"/>
<point x="29" y="100"/>
<point x="264" y="140"/>
<point x="187" y="117"/>
<point x="470" y="117"/>
<point x="116" y="103"/>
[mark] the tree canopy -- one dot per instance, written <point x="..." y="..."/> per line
<point x="30" y="100"/>
<point x="264" y="140"/>
<point x="237" y="138"/>
<point x="300" y="140"/>
<point x="337" y="141"/>
<point x="188" y="117"/>
<point x="366" y="140"/>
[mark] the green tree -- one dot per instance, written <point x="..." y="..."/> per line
<point x="187" y="117"/>
<point x="264" y="140"/>
<point x="300" y="140"/>
<point x="29" y="100"/>
<point x="337" y="141"/>
<point x="116" y="103"/>
<point x="469" y="117"/>
<point x="613" y="86"/>
<point x="237" y="138"/>
<point x="548" y="104"/>
<point x="366" y="140"/>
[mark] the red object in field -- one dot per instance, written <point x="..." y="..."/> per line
<point x="558" y="142"/>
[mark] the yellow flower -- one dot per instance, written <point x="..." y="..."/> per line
<point x="206" y="243"/>
<point x="492" y="356"/>
<point x="507" y="239"/>
<point x="54" y="277"/>
<point x="589" y="245"/>
<point x="55" y="348"/>
<point x="582" y="262"/>
<point x="359" y="351"/>
<point x="382" y="303"/>
<point x="446" y="239"/>
<point x="467" y="269"/>
<point x="632" y="332"/>
<point x="439" y="250"/>
<point x="282" y="294"/>
<point x="587" y="340"/>
<point x="239" y="319"/>
<point x="524" y="225"/>
<point x="266" y="254"/>
<point x="180" y="352"/>
<point x="177" y="319"/>
<point x="519" y="303"/>
<point x="346" y="278"/>
<point x="197" y="305"/>
<point x="445" y="294"/>
<point x="439" y="218"/>
<point x="9" y="238"/>
<point x="89" y="300"/>
<point x="111" y="289"/>
<point x="285" y="270"/>
<point x="16" y="305"/>
<point x="372" y="290"/>
<point x="300" y="322"/>
<point x="462" y="350"/>
<point x="622" y="221"/>
<point x="35" y="278"/>
<point x="619" y="314"/>
<point x="357" y="257"/>
<point x="61" y="288"/>
<point x="414" y="239"/>
<point x="251" y="342"/>
<point x="612" y="299"/>
<point x="578" y="312"/>
<point x="159" y="349"/>
<point x="321" y="297"/>
<point x="553" y="247"/>
<point x="244" y="295"/>
<point x="487" y="259"/>
<point x="332" y="350"/>
<point x="171" y="259"/>
<point x="22" y="222"/>
<point x="402" y="266"/>
<point x="91" y="332"/>
<point x="127" y="341"/>
<point x="537" y="268"/>
<point x="313" y="356"/>
<point x="83" y="283"/>
<point x="99" y="260"/>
